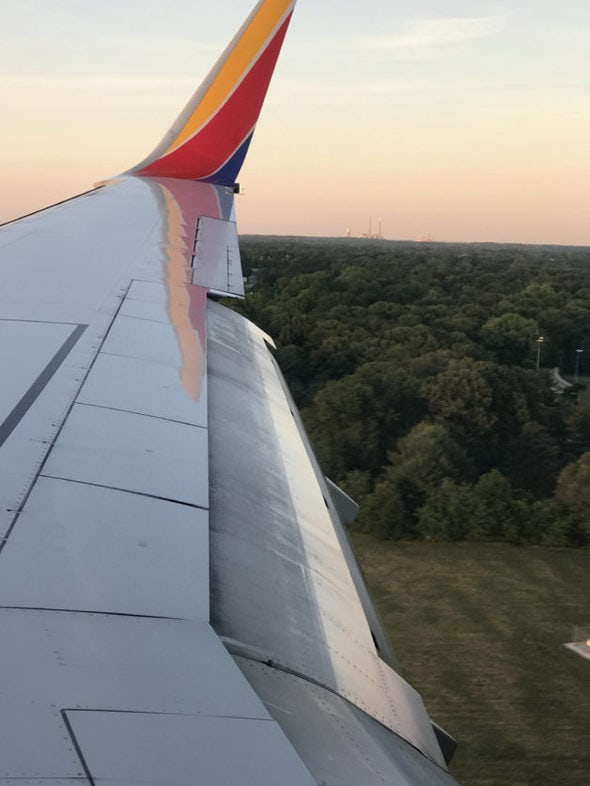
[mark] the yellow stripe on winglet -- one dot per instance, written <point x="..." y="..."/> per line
<point x="238" y="61"/>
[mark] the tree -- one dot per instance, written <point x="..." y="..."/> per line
<point x="510" y="337"/>
<point x="578" y="421"/>
<point x="385" y="513"/>
<point x="461" y="396"/>
<point x="573" y="484"/>
<point x="447" y="512"/>
<point x="340" y="426"/>
<point x="423" y="458"/>
<point x="554" y="523"/>
<point x="373" y="337"/>
<point x="532" y="459"/>
<point x="497" y="515"/>
<point x="353" y="422"/>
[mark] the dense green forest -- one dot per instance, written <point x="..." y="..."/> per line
<point x="415" y="367"/>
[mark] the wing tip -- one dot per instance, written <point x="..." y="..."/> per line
<point x="211" y="136"/>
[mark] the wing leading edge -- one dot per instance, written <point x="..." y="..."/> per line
<point x="177" y="595"/>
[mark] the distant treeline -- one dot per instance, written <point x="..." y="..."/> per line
<point x="414" y="365"/>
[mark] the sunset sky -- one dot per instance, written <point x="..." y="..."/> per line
<point x="443" y="118"/>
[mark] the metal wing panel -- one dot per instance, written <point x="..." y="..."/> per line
<point x="65" y="263"/>
<point x="107" y="551"/>
<point x="111" y="662"/>
<point x="26" y="348"/>
<point x="68" y="269"/>
<point x="126" y="451"/>
<point x="179" y="749"/>
<point x="145" y="339"/>
<point x="339" y="743"/>
<point x="280" y="581"/>
<point x="130" y="228"/>
<point x="217" y="240"/>
<point x="143" y="387"/>
<point x="32" y="424"/>
<point x="59" y="661"/>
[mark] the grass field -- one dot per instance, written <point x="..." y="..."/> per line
<point x="478" y="631"/>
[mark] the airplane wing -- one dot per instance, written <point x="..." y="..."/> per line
<point x="178" y="600"/>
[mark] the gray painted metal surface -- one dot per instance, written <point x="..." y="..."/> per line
<point x="86" y="547"/>
<point x="154" y="456"/>
<point x="346" y="507"/>
<point x="109" y="662"/>
<point x="26" y="348"/>
<point x="63" y="661"/>
<point x="280" y="580"/>
<point x="104" y="562"/>
<point x="177" y="749"/>
<point x="216" y="241"/>
<point x="97" y="238"/>
<point x="339" y="743"/>
<point x="143" y="387"/>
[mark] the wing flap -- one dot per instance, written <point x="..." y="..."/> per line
<point x="275" y="551"/>
<point x="341" y="743"/>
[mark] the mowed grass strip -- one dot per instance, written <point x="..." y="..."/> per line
<point x="478" y="629"/>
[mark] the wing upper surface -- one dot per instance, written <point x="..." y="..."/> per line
<point x="104" y="561"/>
<point x="176" y="593"/>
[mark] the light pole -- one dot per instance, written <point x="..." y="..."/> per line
<point x="577" y="374"/>
<point x="539" y="342"/>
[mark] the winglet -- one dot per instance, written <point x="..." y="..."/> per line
<point x="210" y="138"/>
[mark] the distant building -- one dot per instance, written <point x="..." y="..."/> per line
<point x="370" y="235"/>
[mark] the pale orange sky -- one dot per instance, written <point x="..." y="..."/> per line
<point x="439" y="120"/>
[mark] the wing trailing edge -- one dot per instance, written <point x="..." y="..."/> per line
<point x="210" y="138"/>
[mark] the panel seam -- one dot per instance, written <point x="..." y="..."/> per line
<point x="83" y="379"/>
